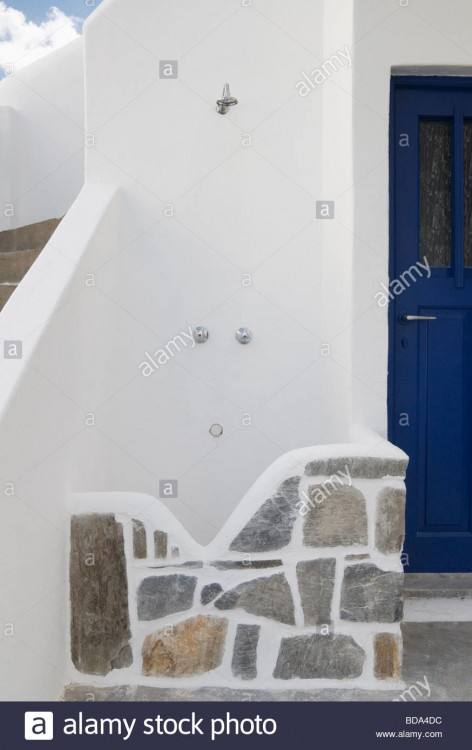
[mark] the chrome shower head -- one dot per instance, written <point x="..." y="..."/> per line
<point x="226" y="100"/>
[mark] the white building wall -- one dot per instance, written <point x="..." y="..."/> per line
<point x="337" y="242"/>
<point x="219" y="230"/>
<point x="200" y="210"/>
<point x="41" y="421"/>
<point x="215" y="203"/>
<point x="42" y="137"/>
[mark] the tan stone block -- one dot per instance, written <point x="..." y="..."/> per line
<point x="390" y="520"/>
<point x="194" y="646"/>
<point x="387" y="661"/>
<point x="336" y="517"/>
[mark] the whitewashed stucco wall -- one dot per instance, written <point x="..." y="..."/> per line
<point x="219" y="230"/>
<point x="41" y="420"/>
<point x="141" y="275"/>
<point x="42" y="138"/>
<point x="211" y="209"/>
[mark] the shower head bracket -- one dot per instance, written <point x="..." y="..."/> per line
<point x="226" y="100"/>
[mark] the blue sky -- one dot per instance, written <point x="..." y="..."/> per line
<point x="31" y="29"/>
<point x="36" y="10"/>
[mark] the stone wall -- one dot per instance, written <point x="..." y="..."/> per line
<point x="309" y="588"/>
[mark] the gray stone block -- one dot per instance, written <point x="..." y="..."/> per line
<point x="361" y="467"/>
<point x="164" y="595"/>
<point x="139" y="540"/>
<point x="316" y="584"/>
<point x="191" y="564"/>
<point x="340" y="519"/>
<point x="308" y="657"/>
<point x="390" y="520"/>
<point x="100" y="630"/>
<point x="271" y="527"/>
<point x="210" y="592"/>
<point x="95" y="694"/>
<point x="244" y="662"/>
<point x="269" y="597"/>
<point x="124" y="658"/>
<point x="149" y="693"/>
<point x="160" y="544"/>
<point x="371" y="595"/>
<point x="246" y="564"/>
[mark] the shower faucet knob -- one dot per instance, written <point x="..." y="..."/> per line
<point x="244" y="335"/>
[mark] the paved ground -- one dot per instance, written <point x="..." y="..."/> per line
<point x="437" y="659"/>
<point x="438" y="586"/>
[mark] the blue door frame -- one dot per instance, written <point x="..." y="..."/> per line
<point x="430" y="360"/>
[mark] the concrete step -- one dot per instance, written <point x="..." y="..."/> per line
<point x="14" y="265"/>
<point x="6" y="290"/>
<point x="19" y="248"/>
<point x="28" y="237"/>
<point x="438" y="586"/>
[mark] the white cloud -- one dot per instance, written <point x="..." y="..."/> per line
<point x="22" y="41"/>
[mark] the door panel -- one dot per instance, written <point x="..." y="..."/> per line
<point x="430" y="373"/>
<point x="443" y="404"/>
<point x="468" y="193"/>
<point x="435" y="165"/>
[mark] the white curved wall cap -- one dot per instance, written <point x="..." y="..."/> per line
<point x="153" y="511"/>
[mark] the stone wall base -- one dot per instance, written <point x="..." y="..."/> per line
<point x="308" y="592"/>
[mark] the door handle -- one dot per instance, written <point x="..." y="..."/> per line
<point x="410" y="318"/>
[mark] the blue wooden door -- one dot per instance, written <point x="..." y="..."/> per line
<point x="430" y="372"/>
